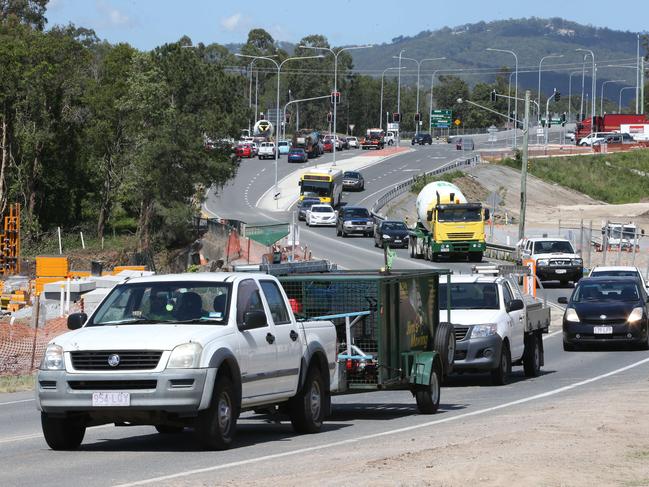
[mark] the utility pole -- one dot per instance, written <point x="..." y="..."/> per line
<point x="526" y="130"/>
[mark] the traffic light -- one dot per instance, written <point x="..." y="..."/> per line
<point x="335" y="97"/>
<point x="417" y="117"/>
<point x="287" y="118"/>
<point x="396" y="117"/>
<point x="542" y="122"/>
<point x="493" y="95"/>
<point x="557" y="95"/>
<point x="330" y="117"/>
<point x="563" y="119"/>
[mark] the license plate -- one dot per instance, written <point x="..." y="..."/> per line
<point x="397" y="241"/>
<point x="603" y="330"/>
<point x="111" y="399"/>
<point x="560" y="271"/>
<point x="445" y="250"/>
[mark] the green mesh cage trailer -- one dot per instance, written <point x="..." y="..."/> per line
<point x="388" y="326"/>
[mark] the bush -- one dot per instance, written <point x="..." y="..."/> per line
<point x="423" y="180"/>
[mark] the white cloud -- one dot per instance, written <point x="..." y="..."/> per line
<point x="232" y="22"/>
<point x="111" y="15"/>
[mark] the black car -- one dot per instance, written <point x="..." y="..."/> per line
<point x="392" y="233"/>
<point x="606" y="310"/>
<point x="353" y="180"/>
<point x="354" y="219"/>
<point x="421" y="139"/>
<point x="304" y="205"/>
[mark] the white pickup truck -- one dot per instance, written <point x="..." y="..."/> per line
<point x="186" y="350"/>
<point x="266" y="150"/>
<point x="496" y="326"/>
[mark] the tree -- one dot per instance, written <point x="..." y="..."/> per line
<point x="29" y="12"/>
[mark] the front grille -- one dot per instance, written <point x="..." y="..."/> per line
<point x="128" y="360"/>
<point x="111" y="385"/>
<point x="460" y="235"/>
<point x="558" y="262"/>
<point x="460" y="332"/>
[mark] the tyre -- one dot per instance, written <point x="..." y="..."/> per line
<point x="475" y="256"/>
<point x="435" y="257"/>
<point x="165" y="429"/>
<point x="307" y="407"/>
<point x="568" y="347"/>
<point x="565" y="283"/>
<point x="411" y="245"/>
<point x="216" y="426"/>
<point x="63" y="433"/>
<point x="532" y="356"/>
<point x="645" y="344"/>
<point x="500" y="375"/>
<point x="427" y="397"/>
<point x="444" y="345"/>
<point x="344" y="234"/>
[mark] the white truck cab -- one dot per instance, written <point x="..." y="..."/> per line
<point x="555" y="259"/>
<point x="496" y="326"/>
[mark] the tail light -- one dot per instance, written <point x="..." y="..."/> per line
<point x="296" y="306"/>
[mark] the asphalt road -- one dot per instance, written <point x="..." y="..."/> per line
<point x="127" y="455"/>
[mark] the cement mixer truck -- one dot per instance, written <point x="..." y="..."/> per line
<point x="447" y="224"/>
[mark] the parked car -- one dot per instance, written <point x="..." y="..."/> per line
<point x="353" y="180"/>
<point x="606" y="310"/>
<point x="328" y="145"/>
<point x="297" y="154"/>
<point x="266" y="150"/>
<point x="594" y="139"/>
<point x="464" y="143"/>
<point x="392" y="233"/>
<point x="619" y="139"/>
<point x="304" y="205"/>
<point x="354" y="219"/>
<point x="421" y="138"/>
<point x="353" y="142"/>
<point x="284" y="146"/>
<point x="320" y="215"/>
<point x="618" y="271"/>
<point x="244" y="150"/>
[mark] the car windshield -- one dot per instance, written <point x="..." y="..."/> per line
<point x="553" y="247"/>
<point x="282" y="144"/>
<point x="470" y="295"/>
<point x="459" y="215"/>
<point x="298" y="152"/>
<point x="322" y="209"/>
<point x="357" y="213"/>
<point x="164" y="302"/>
<point x="309" y="203"/>
<point x="351" y="175"/>
<point x="614" y="273"/>
<point x="606" y="291"/>
<point x="394" y="226"/>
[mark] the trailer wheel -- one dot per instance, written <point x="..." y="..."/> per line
<point x="427" y="396"/>
<point x="444" y="345"/>
<point x="532" y="356"/>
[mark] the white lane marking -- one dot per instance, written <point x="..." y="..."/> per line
<point x="16" y="402"/>
<point x="405" y="429"/>
<point x="40" y="435"/>
<point x="552" y="334"/>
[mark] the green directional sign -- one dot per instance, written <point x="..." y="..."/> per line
<point x="267" y="234"/>
<point x="441" y="119"/>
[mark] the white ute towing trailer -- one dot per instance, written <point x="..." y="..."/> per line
<point x="496" y="325"/>
<point x="186" y="350"/>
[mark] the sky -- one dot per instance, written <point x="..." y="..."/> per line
<point x="146" y="24"/>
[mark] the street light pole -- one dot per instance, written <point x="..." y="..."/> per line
<point x="593" y="88"/>
<point x="619" y="105"/>
<point x="430" y="112"/>
<point x="570" y="92"/>
<point x="540" y="62"/>
<point x="381" y="110"/>
<point x="335" y="54"/>
<point x="601" y="96"/>
<point x="515" y="84"/>
<point x="583" y="80"/>
<point x="279" y="70"/>
<point x="526" y="131"/>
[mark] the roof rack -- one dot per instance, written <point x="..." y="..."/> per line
<point x="501" y="270"/>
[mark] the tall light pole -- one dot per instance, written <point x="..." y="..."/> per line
<point x="279" y="70"/>
<point x="430" y="112"/>
<point x="570" y="92"/>
<point x="637" y="77"/>
<point x="381" y="110"/>
<point x="601" y="96"/>
<point x="540" y="62"/>
<point x="583" y="80"/>
<point x="593" y="88"/>
<point x="515" y="84"/>
<point x="419" y="63"/>
<point x="335" y="54"/>
<point x="619" y="105"/>
<point x="399" y="99"/>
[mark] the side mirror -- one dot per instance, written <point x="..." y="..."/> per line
<point x="76" y="320"/>
<point x="562" y="300"/>
<point x="515" y="305"/>
<point x="253" y="319"/>
<point x="486" y="214"/>
<point x="429" y="216"/>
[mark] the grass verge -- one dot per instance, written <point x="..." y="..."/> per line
<point x="615" y="178"/>
<point x="16" y="383"/>
<point x="421" y="181"/>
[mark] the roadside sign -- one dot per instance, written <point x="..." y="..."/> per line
<point x="441" y="118"/>
<point x="540" y="132"/>
<point x="351" y="127"/>
<point x="457" y="122"/>
<point x="393" y="126"/>
<point x="267" y="234"/>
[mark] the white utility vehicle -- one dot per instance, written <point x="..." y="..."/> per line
<point x="266" y="150"/>
<point x="555" y="259"/>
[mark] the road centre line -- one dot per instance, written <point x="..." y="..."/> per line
<point x="16" y="402"/>
<point x="405" y="429"/>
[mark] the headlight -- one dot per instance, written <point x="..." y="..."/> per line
<point x="543" y="262"/>
<point x="185" y="356"/>
<point x="480" y="331"/>
<point x="53" y="358"/>
<point x="348" y="224"/>
<point x="571" y="315"/>
<point x="386" y="237"/>
<point x="636" y="315"/>
<point x="577" y="262"/>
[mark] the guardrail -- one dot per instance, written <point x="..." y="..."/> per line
<point x="405" y="186"/>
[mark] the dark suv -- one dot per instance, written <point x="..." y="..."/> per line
<point x="421" y="139"/>
<point x="354" y="219"/>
